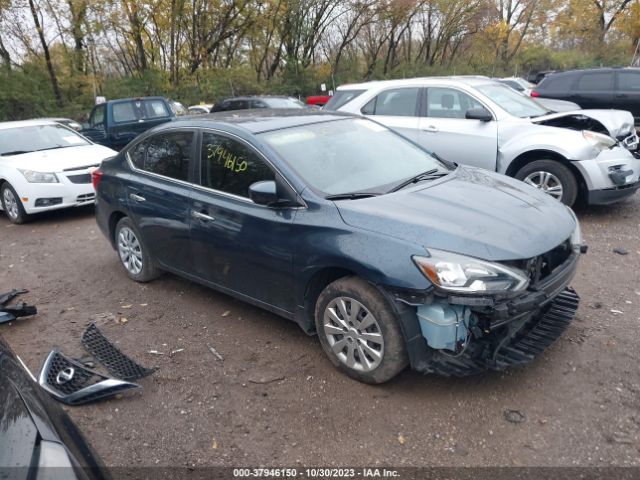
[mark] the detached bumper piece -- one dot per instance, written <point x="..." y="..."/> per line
<point x="116" y="362"/>
<point x="535" y="335"/>
<point x="12" y="312"/>
<point x="72" y="383"/>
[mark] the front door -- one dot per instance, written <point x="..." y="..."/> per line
<point x="159" y="198"/>
<point x="237" y="244"/>
<point x="445" y="131"/>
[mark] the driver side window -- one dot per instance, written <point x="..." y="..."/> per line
<point x="97" y="117"/>
<point x="449" y="103"/>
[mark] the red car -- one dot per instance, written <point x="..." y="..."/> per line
<point x="319" y="100"/>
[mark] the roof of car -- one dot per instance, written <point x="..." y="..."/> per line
<point x="466" y="79"/>
<point x="253" y="97"/>
<point x="259" y="120"/>
<point x="27" y="123"/>
<point x="133" y="99"/>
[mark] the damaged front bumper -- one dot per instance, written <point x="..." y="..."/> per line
<point x="504" y="333"/>
<point x="610" y="177"/>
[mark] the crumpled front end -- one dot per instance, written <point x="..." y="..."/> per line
<point x="460" y="335"/>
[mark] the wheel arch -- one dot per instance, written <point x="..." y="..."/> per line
<point x="315" y="285"/>
<point x="540" y="154"/>
<point x="114" y="218"/>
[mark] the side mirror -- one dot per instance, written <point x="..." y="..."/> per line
<point x="263" y="193"/>
<point x="479" y="113"/>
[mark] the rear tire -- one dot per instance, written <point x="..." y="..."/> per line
<point x="551" y="177"/>
<point x="134" y="255"/>
<point x="359" y="332"/>
<point x="12" y="205"/>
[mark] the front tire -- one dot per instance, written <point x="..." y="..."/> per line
<point x="359" y="332"/>
<point x="552" y="178"/>
<point x="12" y="205"/>
<point x="133" y="254"/>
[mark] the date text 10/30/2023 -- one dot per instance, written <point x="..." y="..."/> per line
<point x="315" y="473"/>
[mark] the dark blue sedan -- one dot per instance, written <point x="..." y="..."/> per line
<point x="392" y="256"/>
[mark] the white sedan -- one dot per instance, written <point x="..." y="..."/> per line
<point x="45" y="166"/>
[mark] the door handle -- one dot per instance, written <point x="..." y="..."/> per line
<point x="621" y="95"/>
<point x="430" y="128"/>
<point x="202" y="216"/>
<point x="137" y="198"/>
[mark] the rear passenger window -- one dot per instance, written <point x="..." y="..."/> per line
<point x="559" y="83"/>
<point x="230" y="166"/>
<point x="399" y="102"/>
<point x="124" y="112"/>
<point x="166" y="154"/>
<point x="629" y="81"/>
<point x="596" y="81"/>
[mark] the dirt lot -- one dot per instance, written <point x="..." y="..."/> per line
<point x="275" y="400"/>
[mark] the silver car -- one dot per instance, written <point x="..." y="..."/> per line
<point x="587" y="154"/>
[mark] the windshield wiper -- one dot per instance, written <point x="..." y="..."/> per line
<point x="52" y="148"/>
<point x="351" y="196"/>
<point x="428" y="175"/>
<point x="14" y="152"/>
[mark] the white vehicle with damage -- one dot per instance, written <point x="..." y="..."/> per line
<point x="45" y="166"/>
<point x="587" y="154"/>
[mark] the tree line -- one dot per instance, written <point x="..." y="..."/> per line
<point x="57" y="55"/>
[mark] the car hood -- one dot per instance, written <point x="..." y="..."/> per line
<point x="60" y="159"/>
<point x="471" y="211"/>
<point x="617" y="122"/>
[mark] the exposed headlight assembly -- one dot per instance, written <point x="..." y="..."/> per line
<point x="576" y="236"/>
<point x="39" y="177"/>
<point x="599" y="141"/>
<point x="462" y="274"/>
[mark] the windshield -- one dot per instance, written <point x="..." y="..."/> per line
<point x="511" y="101"/>
<point x="283" y="103"/>
<point x="351" y="155"/>
<point x="340" y="98"/>
<point x="18" y="140"/>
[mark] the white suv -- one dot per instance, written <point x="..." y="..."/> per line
<point x="480" y="122"/>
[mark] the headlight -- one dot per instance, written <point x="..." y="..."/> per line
<point x="458" y="273"/>
<point x="576" y="236"/>
<point x="599" y="141"/>
<point x="39" y="177"/>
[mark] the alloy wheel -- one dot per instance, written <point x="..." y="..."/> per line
<point x="547" y="182"/>
<point x="130" y="250"/>
<point x="10" y="203"/>
<point x="353" y="334"/>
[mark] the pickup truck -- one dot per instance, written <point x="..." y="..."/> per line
<point x="116" y="122"/>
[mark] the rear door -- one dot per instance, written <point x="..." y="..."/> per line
<point x="594" y="90"/>
<point x="627" y="93"/>
<point x="445" y="131"/>
<point x="237" y="244"/>
<point x="159" y="195"/>
<point x="397" y="108"/>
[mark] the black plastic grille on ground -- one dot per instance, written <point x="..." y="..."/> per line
<point x="72" y="383"/>
<point x="113" y="359"/>
<point x="80" y="378"/>
<point x="536" y="335"/>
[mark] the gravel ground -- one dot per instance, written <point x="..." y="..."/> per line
<point x="275" y="400"/>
